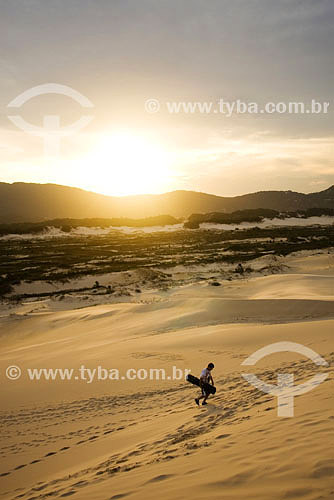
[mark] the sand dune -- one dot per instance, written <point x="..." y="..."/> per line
<point x="136" y="439"/>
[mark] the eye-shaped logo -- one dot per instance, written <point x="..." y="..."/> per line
<point x="51" y="132"/>
<point x="285" y="390"/>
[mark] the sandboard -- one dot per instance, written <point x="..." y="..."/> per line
<point x="207" y="387"/>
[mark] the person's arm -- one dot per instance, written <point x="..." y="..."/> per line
<point x="212" y="382"/>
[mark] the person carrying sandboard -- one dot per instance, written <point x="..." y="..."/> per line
<point x="205" y="378"/>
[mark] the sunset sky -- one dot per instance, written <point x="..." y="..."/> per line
<point x="120" y="53"/>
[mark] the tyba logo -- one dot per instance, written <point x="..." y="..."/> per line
<point x="51" y="132"/>
<point x="285" y="390"/>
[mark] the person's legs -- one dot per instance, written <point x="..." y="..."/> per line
<point x="207" y="394"/>
<point x="204" y="395"/>
<point x="200" y="397"/>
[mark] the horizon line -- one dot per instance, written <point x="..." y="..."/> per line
<point x="141" y="195"/>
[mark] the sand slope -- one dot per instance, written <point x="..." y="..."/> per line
<point x="147" y="439"/>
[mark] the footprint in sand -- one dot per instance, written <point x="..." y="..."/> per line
<point x="298" y="492"/>
<point x="320" y="472"/>
<point x="79" y="484"/>
<point x="161" y="477"/>
<point x="120" y="495"/>
<point x="222" y="436"/>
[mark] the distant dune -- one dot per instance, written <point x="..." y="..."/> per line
<point x="23" y="202"/>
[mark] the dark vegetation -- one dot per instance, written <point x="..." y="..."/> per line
<point x="194" y="221"/>
<point x="63" y="258"/>
<point x="66" y="225"/>
<point x="253" y="215"/>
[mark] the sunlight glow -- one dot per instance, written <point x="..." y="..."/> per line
<point x="125" y="164"/>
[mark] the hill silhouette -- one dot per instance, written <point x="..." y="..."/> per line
<point x="28" y="202"/>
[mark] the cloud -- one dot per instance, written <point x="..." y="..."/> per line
<point x="122" y="52"/>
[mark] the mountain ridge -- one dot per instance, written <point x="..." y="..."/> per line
<point x="30" y="202"/>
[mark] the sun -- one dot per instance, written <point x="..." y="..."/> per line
<point x="126" y="164"/>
